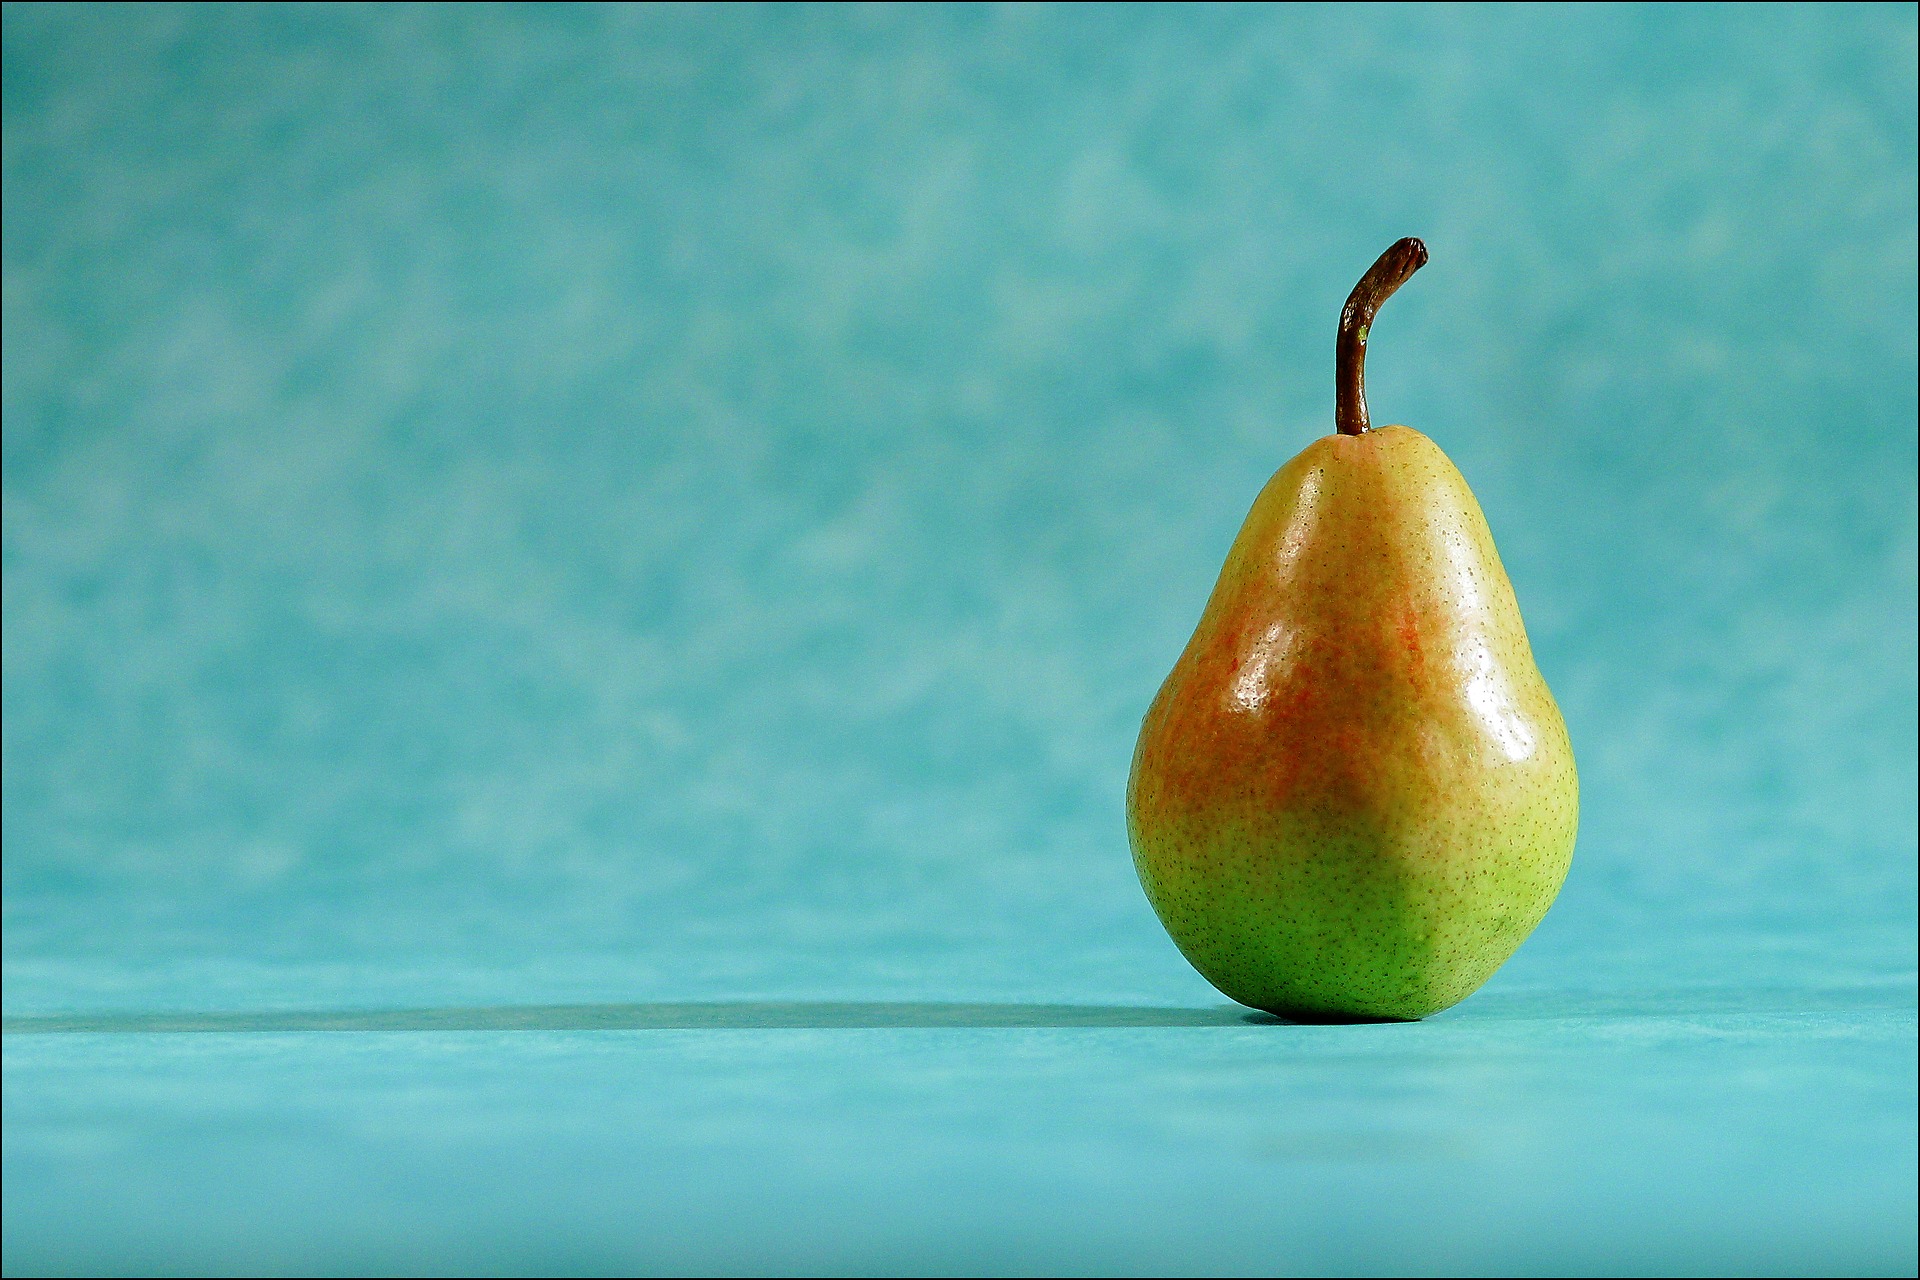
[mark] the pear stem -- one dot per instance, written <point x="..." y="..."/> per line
<point x="1387" y="273"/>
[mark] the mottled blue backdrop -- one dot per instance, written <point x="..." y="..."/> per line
<point x="522" y="507"/>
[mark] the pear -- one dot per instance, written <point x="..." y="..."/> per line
<point x="1354" y="797"/>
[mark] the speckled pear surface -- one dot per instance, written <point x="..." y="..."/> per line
<point x="1354" y="796"/>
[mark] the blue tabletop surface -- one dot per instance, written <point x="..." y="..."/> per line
<point x="579" y="583"/>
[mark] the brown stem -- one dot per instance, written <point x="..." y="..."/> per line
<point x="1350" y="351"/>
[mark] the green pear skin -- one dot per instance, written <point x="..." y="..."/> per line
<point x="1354" y="797"/>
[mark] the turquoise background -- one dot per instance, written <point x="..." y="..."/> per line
<point x="579" y="584"/>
